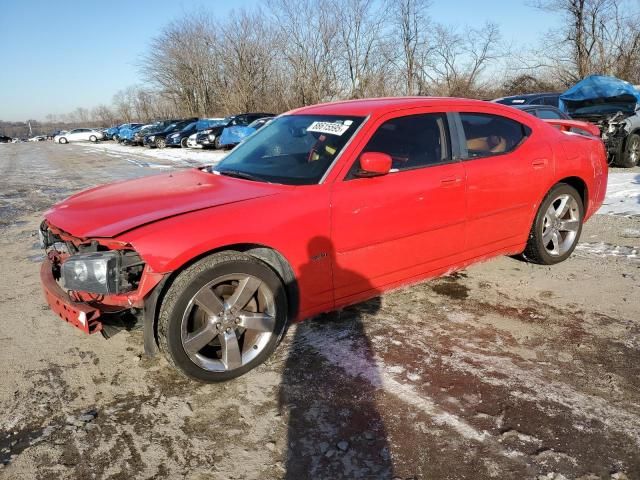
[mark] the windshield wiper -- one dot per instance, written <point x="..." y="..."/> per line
<point x="239" y="174"/>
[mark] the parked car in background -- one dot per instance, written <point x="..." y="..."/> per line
<point x="111" y="132"/>
<point x="4" y="139"/>
<point x="530" y="99"/>
<point x="180" y="139"/>
<point x="556" y="117"/>
<point x="209" y="138"/>
<point x="232" y="136"/>
<point x="124" y="127"/>
<point x="322" y="208"/>
<point x="159" y="139"/>
<point x="79" y="135"/>
<point x="545" y="112"/>
<point x="152" y="128"/>
<point x="38" y="138"/>
<point x="614" y="105"/>
<point x="127" y="135"/>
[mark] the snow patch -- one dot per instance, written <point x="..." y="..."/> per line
<point x="602" y="249"/>
<point x="180" y="156"/>
<point x="355" y="362"/>
<point x="623" y="195"/>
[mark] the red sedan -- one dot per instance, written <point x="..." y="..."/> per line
<point x="326" y="206"/>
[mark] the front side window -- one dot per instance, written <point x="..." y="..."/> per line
<point x="488" y="135"/>
<point x="413" y="141"/>
<point x="292" y="149"/>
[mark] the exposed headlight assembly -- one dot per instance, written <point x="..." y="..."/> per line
<point x="105" y="273"/>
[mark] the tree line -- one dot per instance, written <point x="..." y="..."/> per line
<point x="301" y="52"/>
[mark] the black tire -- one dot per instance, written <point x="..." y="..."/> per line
<point x="216" y="143"/>
<point x="63" y="140"/>
<point x="184" y="288"/>
<point x="93" y="138"/>
<point x="629" y="157"/>
<point x="114" y="137"/>
<point x="183" y="142"/>
<point x="161" y="143"/>
<point x="536" y="251"/>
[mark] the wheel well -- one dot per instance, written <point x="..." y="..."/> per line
<point x="580" y="186"/>
<point x="271" y="257"/>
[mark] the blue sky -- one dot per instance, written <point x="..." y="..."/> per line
<point x="60" y="55"/>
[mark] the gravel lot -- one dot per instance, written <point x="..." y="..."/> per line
<point x="504" y="370"/>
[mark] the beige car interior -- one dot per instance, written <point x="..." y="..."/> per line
<point x="490" y="144"/>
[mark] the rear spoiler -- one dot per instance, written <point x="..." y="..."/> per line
<point x="575" y="126"/>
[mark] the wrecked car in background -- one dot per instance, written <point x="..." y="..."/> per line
<point x="613" y="105"/>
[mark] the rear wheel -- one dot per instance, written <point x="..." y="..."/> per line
<point x="630" y="156"/>
<point x="557" y="226"/>
<point x="222" y="317"/>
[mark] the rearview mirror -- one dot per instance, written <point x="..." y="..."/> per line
<point x="374" y="164"/>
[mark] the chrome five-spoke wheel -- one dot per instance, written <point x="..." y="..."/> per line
<point x="557" y="226"/>
<point x="228" y="322"/>
<point x="560" y="225"/>
<point x="222" y="316"/>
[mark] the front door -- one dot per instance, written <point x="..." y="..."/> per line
<point x="390" y="228"/>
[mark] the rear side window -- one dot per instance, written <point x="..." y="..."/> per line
<point x="413" y="141"/>
<point x="488" y="135"/>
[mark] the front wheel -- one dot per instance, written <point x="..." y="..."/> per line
<point x="63" y="140"/>
<point x="183" y="143"/>
<point x="630" y="156"/>
<point x="93" y="139"/>
<point x="222" y="317"/>
<point x="557" y="226"/>
<point x="160" y="143"/>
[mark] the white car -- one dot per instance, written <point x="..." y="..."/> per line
<point x="79" y="135"/>
<point x="191" y="141"/>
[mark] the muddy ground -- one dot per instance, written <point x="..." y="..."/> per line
<point x="504" y="370"/>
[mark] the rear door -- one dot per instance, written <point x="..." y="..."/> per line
<point x="505" y="172"/>
<point x="390" y="228"/>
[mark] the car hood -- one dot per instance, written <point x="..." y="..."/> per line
<point x="600" y="96"/>
<point x="112" y="209"/>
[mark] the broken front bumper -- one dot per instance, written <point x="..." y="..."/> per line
<point x="80" y="315"/>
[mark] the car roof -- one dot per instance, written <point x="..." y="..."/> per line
<point x="368" y="106"/>
<point x="535" y="106"/>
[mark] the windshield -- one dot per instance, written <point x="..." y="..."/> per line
<point x="189" y="127"/>
<point x="258" y="123"/>
<point x="293" y="149"/>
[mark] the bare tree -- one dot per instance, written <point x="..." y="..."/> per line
<point x="103" y="115"/>
<point x="598" y="36"/>
<point x="410" y="29"/>
<point x="459" y="59"/>
<point x="307" y="38"/>
<point x="360" y="31"/>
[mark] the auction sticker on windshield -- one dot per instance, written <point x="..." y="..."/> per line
<point x="328" y="127"/>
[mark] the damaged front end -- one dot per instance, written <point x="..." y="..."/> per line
<point x="614" y="130"/>
<point x="96" y="285"/>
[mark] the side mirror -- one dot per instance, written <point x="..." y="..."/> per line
<point x="374" y="164"/>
